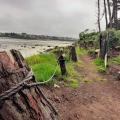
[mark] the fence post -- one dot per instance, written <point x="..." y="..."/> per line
<point x="61" y="61"/>
<point x="73" y="54"/>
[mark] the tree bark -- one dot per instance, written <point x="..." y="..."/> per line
<point x="106" y="19"/>
<point x="26" y="104"/>
<point x="99" y="25"/>
<point x="109" y="11"/>
<point x="115" y="13"/>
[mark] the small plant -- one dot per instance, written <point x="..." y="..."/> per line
<point x="100" y="65"/>
<point x="115" y="60"/>
<point x="92" y="52"/>
<point x="73" y="83"/>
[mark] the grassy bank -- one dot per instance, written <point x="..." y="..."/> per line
<point x="115" y="60"/>
<point x="44" y="65"/>
<point x="100" y="65"/>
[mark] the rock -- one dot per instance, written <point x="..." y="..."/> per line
<point x="56" y="86"/>
<point x="57" y="99"/>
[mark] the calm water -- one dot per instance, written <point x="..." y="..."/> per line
<point x="30" y="47"/>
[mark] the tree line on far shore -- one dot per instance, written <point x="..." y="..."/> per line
<point x="35" y="37"/>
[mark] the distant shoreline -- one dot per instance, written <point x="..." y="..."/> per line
<point x="34" y="37"/>
<point x="47" y="39"/>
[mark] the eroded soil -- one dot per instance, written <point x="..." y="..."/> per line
<point x="96" y="100"/>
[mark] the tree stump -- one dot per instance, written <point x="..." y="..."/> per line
<point x="73" y="54"/>
<point x="26" y="104"/>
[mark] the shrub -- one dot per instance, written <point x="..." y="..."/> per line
<point x="115" y="60"/>
<point x="88" y="39"/>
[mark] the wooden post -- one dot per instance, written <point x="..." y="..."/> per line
<point x="61" y="61"/>
<point x="103" y="45"/>
<point x="73" y="54"/>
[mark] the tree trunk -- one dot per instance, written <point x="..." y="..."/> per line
<point x="106" y="19"/>
<point x="25" y="104"/>
<point x="103" y="46"/>
<point x="109" y="11"/>
<point x="115" y="13"/>
<point x="99" y="25"/>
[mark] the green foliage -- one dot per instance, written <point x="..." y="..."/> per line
<point x="41" y="58"/>
<point x="44" y="71"/>
<point x="113" y="39"/>
<point x="81" y="51"/>
<point x="115" y="60"/>
<point x="43" y="66"/>
<point x="70" y="69"/>
<point x="100" y="64"/>
<point x="89" y="39"/>
<point x="88" y="36"/>
<point x="93" y="38"/>
<point x="73" y="83"/>
<point x="91" y="51"/>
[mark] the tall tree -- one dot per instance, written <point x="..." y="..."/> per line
<point x="115" y="15"/>
<point x="109" y="12"/>
<point x="105" y="10"/>
<point x="98" y="21"/>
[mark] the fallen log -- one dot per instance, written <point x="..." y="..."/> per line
<point x="16" y="101"/>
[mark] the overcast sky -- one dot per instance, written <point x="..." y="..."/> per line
<point x="48" y="17"/>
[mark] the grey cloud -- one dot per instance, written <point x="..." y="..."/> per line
<point x="50" y="17"/>
<point x="17" y="3"/>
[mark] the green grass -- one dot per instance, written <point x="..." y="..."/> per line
<point x="42" y="58"/>
<point x="73" y="83"/>
<point x="115" y="60"/>
<point x="43" y="66"/>
<point x="100" y="64"/>
<point x="70" y="69"/>
<point x="80" y="51"/>
<point x="44" y="71"/>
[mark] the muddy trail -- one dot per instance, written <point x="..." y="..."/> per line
<point x="98" y="99"/>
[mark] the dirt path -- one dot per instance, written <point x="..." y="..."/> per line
<point x="98" y="100"/>
<point x="88" y="69"/>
